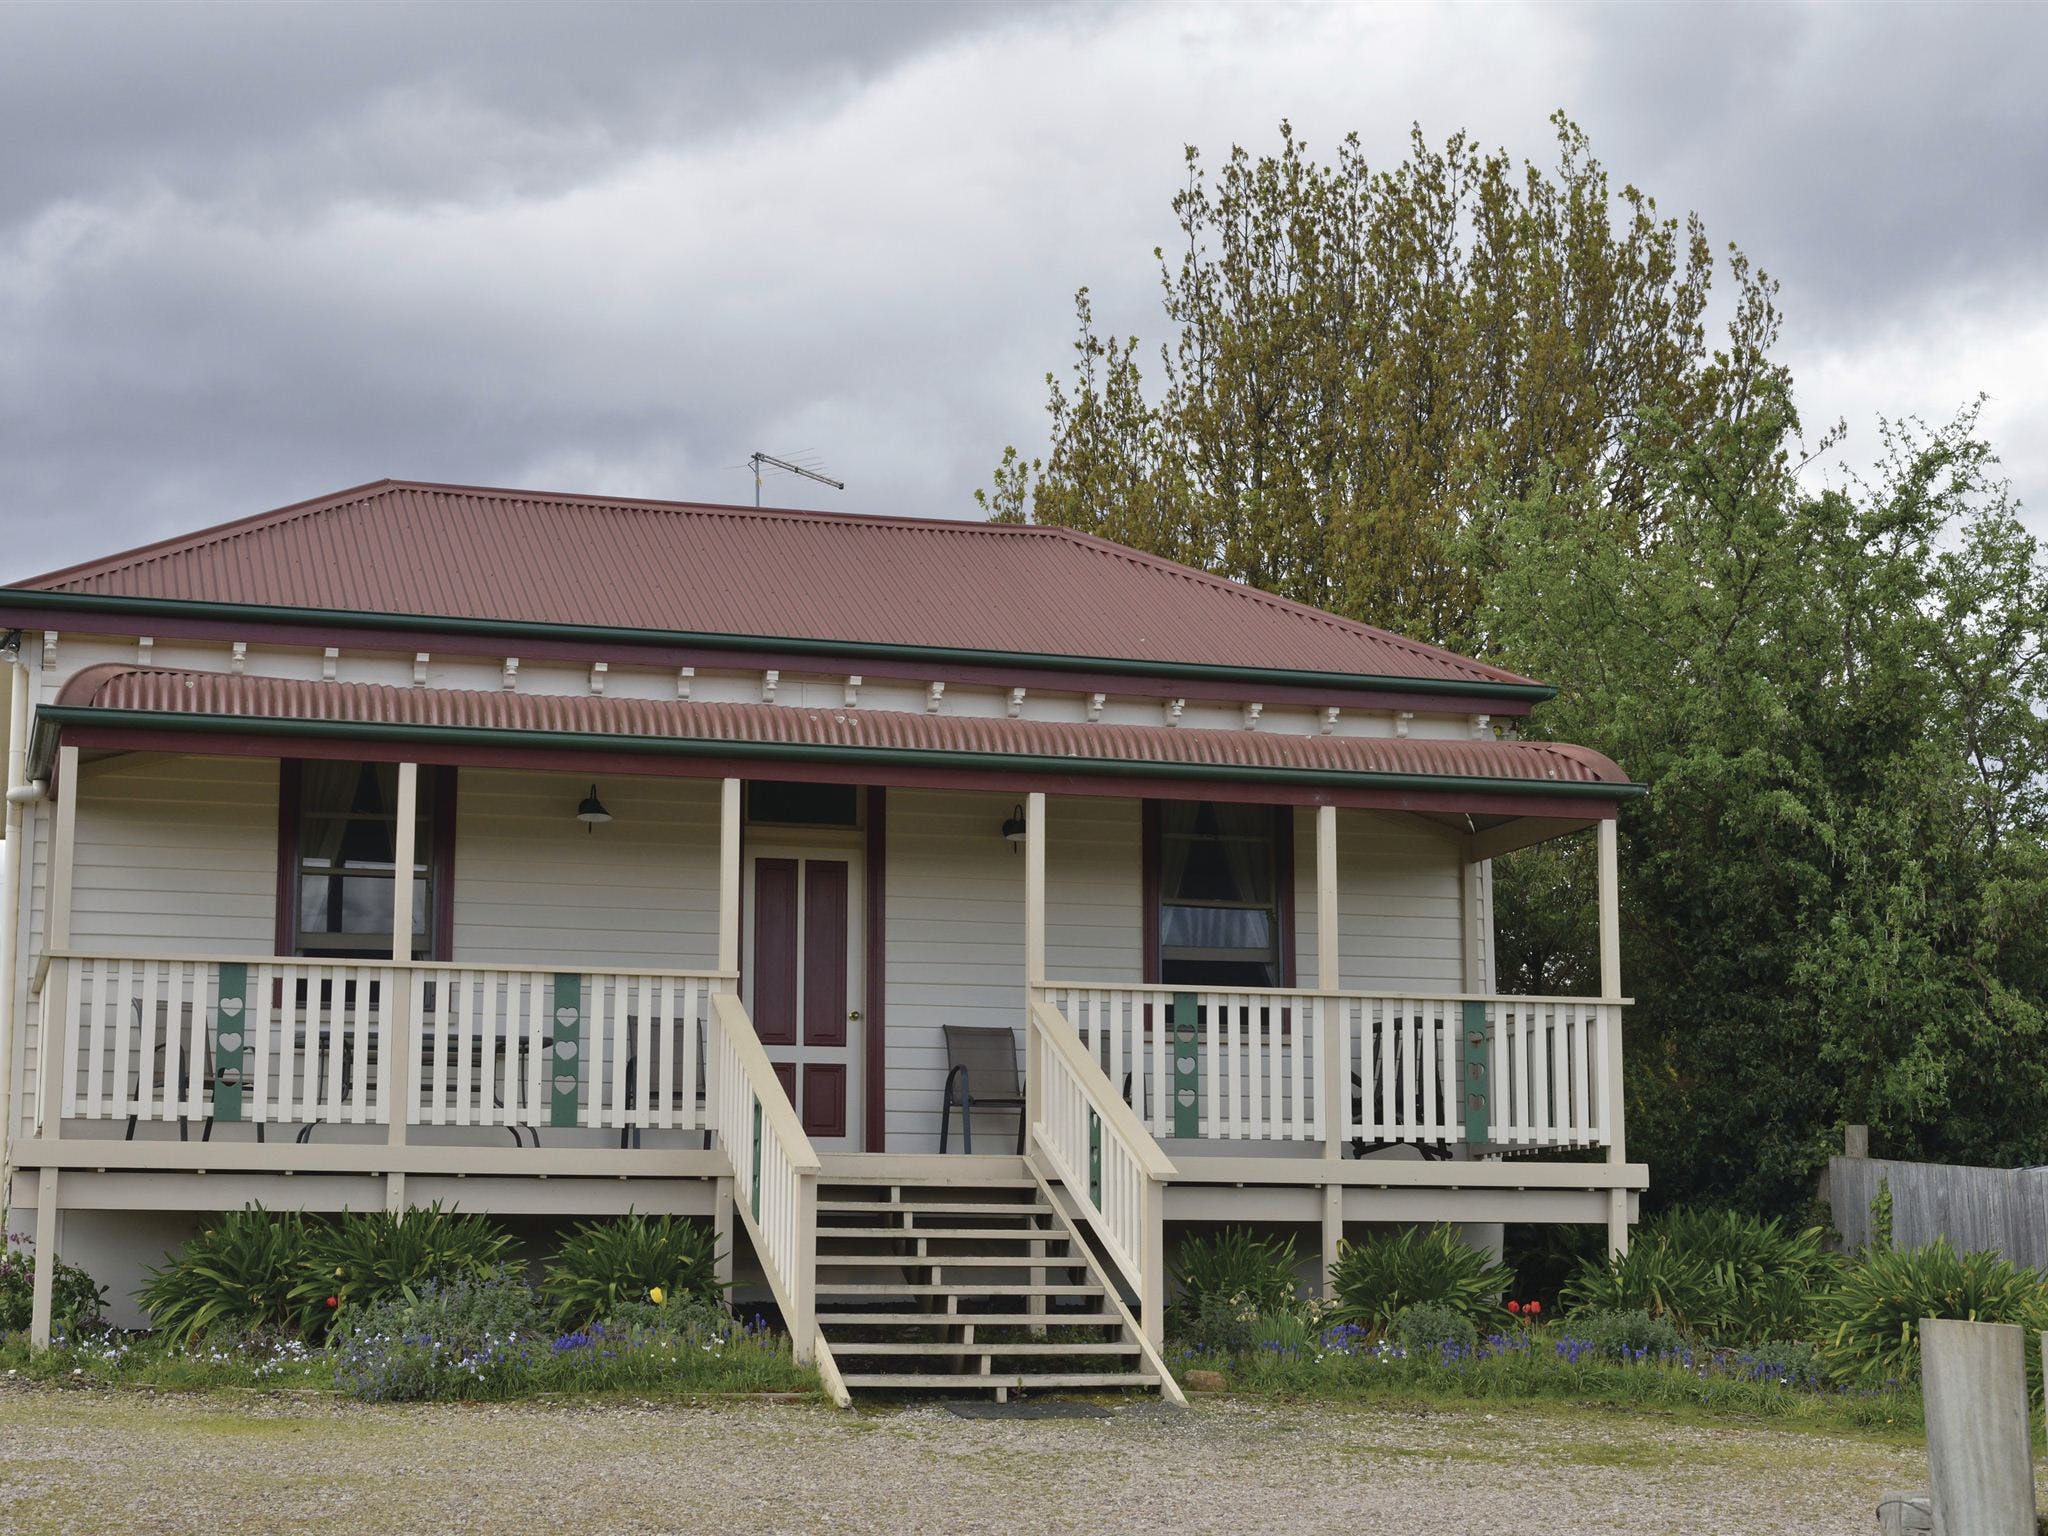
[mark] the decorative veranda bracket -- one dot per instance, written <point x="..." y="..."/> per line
<point x="568" y="1050"/>
<point x="1476" y="1063"/>
<point x="230" y="1016"/>
<point x="1187" y="1067"/>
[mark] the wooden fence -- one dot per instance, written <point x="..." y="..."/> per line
<point x="2004" y="1209"/>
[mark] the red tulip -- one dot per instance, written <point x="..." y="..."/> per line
<point x="1514" y="1306"/>
<point x="1535" y="1307"/>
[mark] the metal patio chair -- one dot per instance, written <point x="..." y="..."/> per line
<point x="981" y="1067"/>
<point x="629" y="1136"/>
<point x="1405" y="1112"/>
<point x="206" y="1076"/>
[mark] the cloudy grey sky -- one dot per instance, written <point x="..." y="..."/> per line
<point x="254" y="253"/>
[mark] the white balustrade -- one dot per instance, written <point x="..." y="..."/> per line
<point x="775" y="1170"/>
<point x="1550" y="1075"/>
<point x="502" y="1047"/>
<point x="303" y="1042"/>
<point x="1248" y="1065"/>
<point x="152" y="1038"/>
<point x="1254" y="1054"/>
<point x="1100" y="1151"/>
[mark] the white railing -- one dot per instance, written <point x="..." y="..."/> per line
<point x="1551" y="1079"/>
<point x="775" y="1170"/>
<point x="296" y="1041"/>
<point x="603" y="1049"/>
<point x="1101" y="1152"/>
<point x="153" y="1038"/>
<point x="1249" y="1065"/>
<point x="1228" y="1066"/>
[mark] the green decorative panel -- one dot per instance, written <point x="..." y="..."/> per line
<point x="1095" y="1158"/>
<point x="1477" y="1062"/>
<point x="1187" y="1067"/>
<point x="757" y="1160"/>
<point x="230" y="1041"/>
<point x="568" y="1049"/>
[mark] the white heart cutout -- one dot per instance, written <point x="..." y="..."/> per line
<point x="565" y="1050"/>
<point x="229" y="1041"/>
<point x="1185" y="1066"/>
<point x="231" y="1006"/>
<point x="565" y="1085"/>
<point x="1186" y="1096"/>
<point x="567" y="1016"/>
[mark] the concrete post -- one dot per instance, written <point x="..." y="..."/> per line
<point x="723" y="1226"/>
<point x="1979" y="1451"/>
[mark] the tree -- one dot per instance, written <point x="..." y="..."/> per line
<point x="1362" y="361"/>
<point x="1835" y="893"/>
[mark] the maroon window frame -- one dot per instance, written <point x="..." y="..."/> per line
<point x="1283" y="891"/>
<point x="441" y="856"/>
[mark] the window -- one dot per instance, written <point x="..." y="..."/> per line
<point x="803" y="805"/>
<point x="1224" y="906"/>
<point x="340" y="879"/>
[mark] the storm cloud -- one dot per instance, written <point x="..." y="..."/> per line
<point x="250" y="254"/>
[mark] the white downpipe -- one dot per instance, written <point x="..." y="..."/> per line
<point x="19" y="794"/>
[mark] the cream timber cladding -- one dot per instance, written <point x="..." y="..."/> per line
<point x="176" y="855"/>
<point x="531" y="883"/>
<point x="955" y="937"/>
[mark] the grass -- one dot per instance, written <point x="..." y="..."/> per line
<point x="1539" y="1365"/>
<point x="641" y="1366"/>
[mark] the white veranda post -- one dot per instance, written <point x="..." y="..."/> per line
<point x="50" y="1071"/>
<point x="723" y="1217"/>
<point x="397" y="1053"/>
<point x="1034" y="942"/>
<point x="1330" y="1048"/>
<point x="1610" y="992"/>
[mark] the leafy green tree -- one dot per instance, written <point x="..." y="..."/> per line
<point x="1360" y="362"/>
<point x="1834" y="896"/>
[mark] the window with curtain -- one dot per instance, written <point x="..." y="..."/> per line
<point x="1219" y="895"/>
<point x="346" y="860"/>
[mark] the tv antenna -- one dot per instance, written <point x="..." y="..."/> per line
<point x="759" y="460"/>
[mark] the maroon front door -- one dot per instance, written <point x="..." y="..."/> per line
<point x="801" y="987"/>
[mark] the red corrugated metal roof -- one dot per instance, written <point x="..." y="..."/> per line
<point x="115" y="686"/>
<point x="465" y="552"/>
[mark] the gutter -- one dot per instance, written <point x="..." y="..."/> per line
<point x="51" y="718"/>
<point x="350" y="618"/>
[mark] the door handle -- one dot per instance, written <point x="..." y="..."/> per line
<point x="853" y="1017"/>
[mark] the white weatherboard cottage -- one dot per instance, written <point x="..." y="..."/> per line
<point x="945" y="911"/>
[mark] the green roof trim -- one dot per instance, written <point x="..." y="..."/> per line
<point x="350" y="618"/>
<point x="798" y="752"/>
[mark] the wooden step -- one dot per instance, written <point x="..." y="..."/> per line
<point x="843" y="1347"/>
<point x="930" y="1186"/>
<point x="953" y="1234"/>
<point x="982" y="1381"/>
<point x="948" y="1261"/>
<point x="916" y="1194"/>
<point x="839" y="1288"/>
<point x="937" y="1207"/>
<point x="834" y="1319"/>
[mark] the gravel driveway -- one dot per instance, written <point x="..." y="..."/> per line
<point x="104" y="1461"/>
